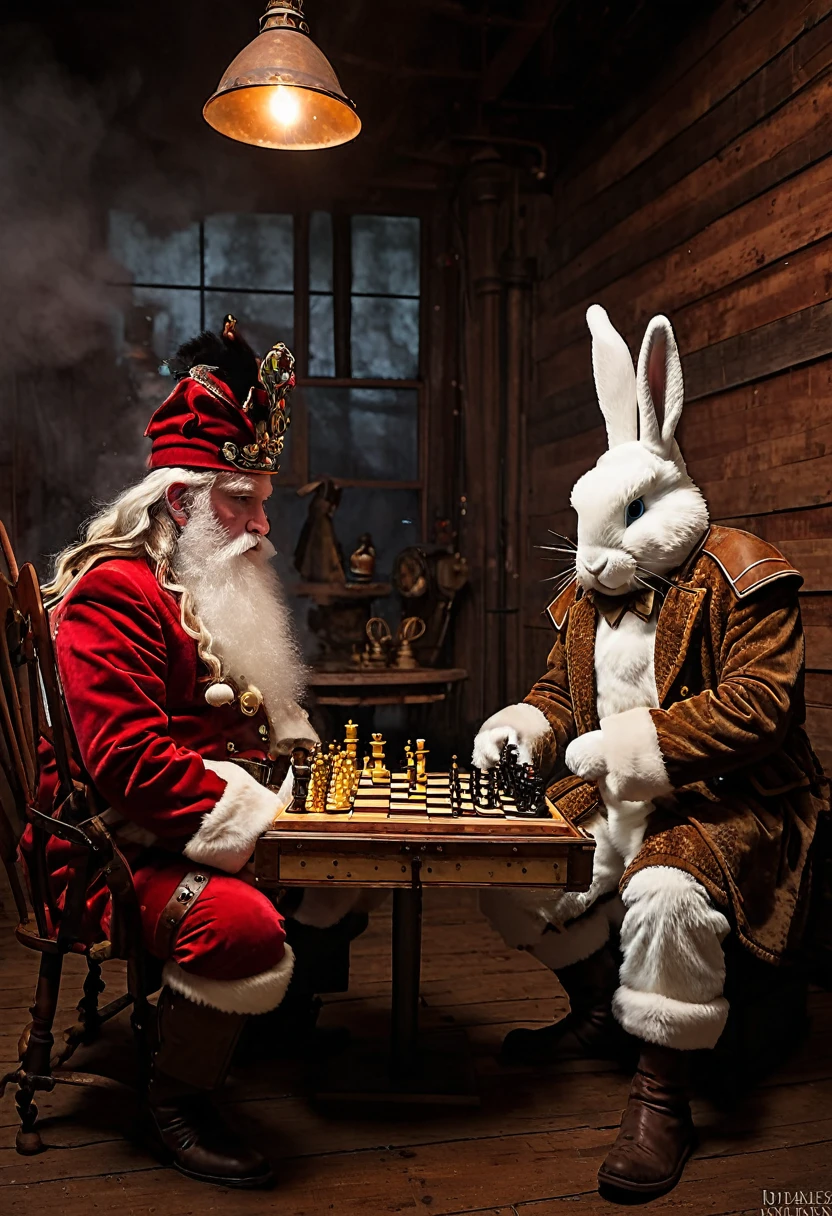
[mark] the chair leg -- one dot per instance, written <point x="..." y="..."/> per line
<point x="35" y="1071"/>
<point x="88" y="1005"/>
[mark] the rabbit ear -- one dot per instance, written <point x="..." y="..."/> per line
<point x="661" y="388"/>
<point x="615" y="377"/>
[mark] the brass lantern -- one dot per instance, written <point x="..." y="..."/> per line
<point x="281" y="91"/>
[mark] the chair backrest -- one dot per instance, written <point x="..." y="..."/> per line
<point x="31" y="707"/>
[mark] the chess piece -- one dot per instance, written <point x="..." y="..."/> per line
<point x="341" y="796"/>
<point x="379" y="636"/>
<point x="410" y="767"/>
<point x="363" y="560"/>
<point x="455" y="788"/>
<point x="410" y="630"/>
<point x="316" y="798"/>
<point x="301" y="773"/>
<point x="476" y="785"/>
<point x="421" y="770"/>
<point x="380" y="775"/>
<point x="351" y="739"/>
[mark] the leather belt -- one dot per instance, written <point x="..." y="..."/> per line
<point x="174" y="911"/>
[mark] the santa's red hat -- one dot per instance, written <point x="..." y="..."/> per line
<point x="203" y="424"/>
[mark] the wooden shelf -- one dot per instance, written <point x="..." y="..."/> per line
<point x="327" y="593"/>
<point x="381" y="677"/>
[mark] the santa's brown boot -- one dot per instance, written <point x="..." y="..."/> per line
<point x="588" y="1030"/>
<point x="657" y="1134"/>
<point x="194" y="1050"/>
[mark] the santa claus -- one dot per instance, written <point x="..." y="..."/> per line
<point x="182" y="680"/>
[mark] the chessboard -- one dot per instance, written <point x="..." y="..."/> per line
<point x="398" y="798"/>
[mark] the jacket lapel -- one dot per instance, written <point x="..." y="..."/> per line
<point x="580" y="653"/>
<point x="678" y="616"/>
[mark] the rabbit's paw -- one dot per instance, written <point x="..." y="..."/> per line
<point x="586" y="756"/>
<point x="523" y="725"/>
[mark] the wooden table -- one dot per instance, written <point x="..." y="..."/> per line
<point x="406" y="853"/>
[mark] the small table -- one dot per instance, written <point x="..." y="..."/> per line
<point x="406" y="852"/>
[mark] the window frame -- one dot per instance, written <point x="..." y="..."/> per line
<point x="297" y="471"/>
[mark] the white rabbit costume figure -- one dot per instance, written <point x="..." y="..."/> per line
<point x="674" y="686"/>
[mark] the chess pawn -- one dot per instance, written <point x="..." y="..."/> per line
<point x="421" y="764"/>
<point x="410" y="768"/>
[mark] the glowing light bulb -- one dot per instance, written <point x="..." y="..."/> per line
<point x="284" y="105"/>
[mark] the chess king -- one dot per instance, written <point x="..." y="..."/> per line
<point x="182" y="680"/>
<point x="670" y="724"/>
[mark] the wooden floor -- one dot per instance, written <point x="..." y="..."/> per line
<point x="531" y="1149"/>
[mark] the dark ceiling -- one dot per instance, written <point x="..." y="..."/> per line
<point x="431" y="79"/>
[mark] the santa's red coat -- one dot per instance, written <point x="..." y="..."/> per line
<point x="158" y="756"/>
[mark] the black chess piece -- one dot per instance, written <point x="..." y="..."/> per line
<point x="455" y="789"/>
<point x="476" y="785"/>
<point x="492" y="793"/>
<point x="301" y="773"/>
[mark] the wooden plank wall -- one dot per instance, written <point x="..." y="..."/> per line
<point x="710" y="201"/>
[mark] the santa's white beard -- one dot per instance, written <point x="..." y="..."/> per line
<point x="238" y="597"/>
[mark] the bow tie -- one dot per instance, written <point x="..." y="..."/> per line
<point x="613" y="607"/>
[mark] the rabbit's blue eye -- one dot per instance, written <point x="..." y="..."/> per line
<point x="635" y="510"/>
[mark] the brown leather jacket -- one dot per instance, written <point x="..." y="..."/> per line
<point x="748" y="789"/>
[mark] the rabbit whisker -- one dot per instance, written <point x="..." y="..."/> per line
<point x="668" y="581"/>
<point x="560" y="536"/>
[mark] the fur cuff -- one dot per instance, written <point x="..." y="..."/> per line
<point x="685" y="1025"/>
<point x="255" y="994"/>
<point x="291" y="728"/>
<point x="635" y="769"/>
<point x="228" y="834"/>
<point x="323" y="907"/>
<point x="524" y="724"/>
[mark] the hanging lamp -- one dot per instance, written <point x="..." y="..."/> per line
<point x="281" y="91"/>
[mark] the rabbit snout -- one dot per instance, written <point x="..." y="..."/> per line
<point x="603" y="569"/>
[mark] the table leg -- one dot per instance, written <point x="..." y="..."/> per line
<point x="407" y="959"/>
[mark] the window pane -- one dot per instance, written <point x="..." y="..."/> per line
<point x="320" y="251"/>
<point x="390" y="516"/>
<point x="321" y="336"/>
<point x="385" y="338"/>
<point x="150" y="257"/>
<point x="250" y="251"/>
<point x="385" y="254"/>
<point x="174" y="315"/>
<point x="363" y="433"/>
<point x="264" y="320"/>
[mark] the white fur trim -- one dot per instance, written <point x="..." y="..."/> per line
<point x="323" y="907"/>
<point x="635" y="769"/>
<point x="227" y="835"/>
<point x="615" y="377"/>
<point x="255" y="994"/>
<point x="523" y="725"/>
<point x="685" y="1025"/>
<point x="673" y="970"/>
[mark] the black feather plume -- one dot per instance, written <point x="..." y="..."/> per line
<point x="234" y="359"/>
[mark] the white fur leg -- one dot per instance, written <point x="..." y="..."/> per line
<point x="576" y="942"/>
<point x="323" y="907"/>
<point x="227" y="835"/>
<point x="673" y="971"/>
<point x="523" y="725"/>
<point x="635" y="769"/>
<point x="255" y="994"/>
<point x="685" y="1025"/>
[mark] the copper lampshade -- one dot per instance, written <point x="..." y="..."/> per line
<point x="280" y="91"/>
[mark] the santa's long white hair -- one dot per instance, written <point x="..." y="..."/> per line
<point x="139" y="523"/>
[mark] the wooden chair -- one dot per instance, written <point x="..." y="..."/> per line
<point x="32" y="708"/>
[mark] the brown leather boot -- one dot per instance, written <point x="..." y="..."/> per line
<point x="657" y="1134"/>
<point x="192" y="1058"/>
<point x="588" y="1031"/>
